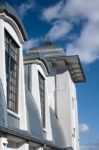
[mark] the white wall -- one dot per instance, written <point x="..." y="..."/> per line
<point x="65" y="90"/>
<point x="21" y="87"/>
<point x="2" y="56"/>
<point x="35" y="84"/>
<point x="66" y="113"/>
<point x="49" y="95"/>
<point x="51" y="91"/>
<point x="50" y="86"/>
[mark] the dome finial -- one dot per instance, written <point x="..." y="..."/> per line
<point x="47" y="41"/>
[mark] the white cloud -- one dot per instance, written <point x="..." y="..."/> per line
<point x="83" y="128"/>
<point x="87" y="45"/>
<point x="89" y="9"/>
<point x="87" y="148"/>
<point x="25" y="7"/>
<point x="73" y="8"/>
<point x="90" y="147"/>
<point x="59" y="30"/>
<point x="52" y="12"/>
<point x="31" y="43"/>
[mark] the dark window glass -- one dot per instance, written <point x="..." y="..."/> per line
<point x="11" y="60"/>
<point x="42" y="97"/>
<point x="28" y="78"/>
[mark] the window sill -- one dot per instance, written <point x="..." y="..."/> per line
<point x="13" y="114"/>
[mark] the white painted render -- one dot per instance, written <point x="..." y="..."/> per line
<point x="21" y="84"/>
<point x="65" y="91"/>
<point x="35" y="92"/>
<point x="67" y="114"/>
<point x="35" y="84"/>
<point x="51" y="91"/>
<point x="2" y="58"/>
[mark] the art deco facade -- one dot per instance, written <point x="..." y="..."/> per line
<point x="38" y="103"/>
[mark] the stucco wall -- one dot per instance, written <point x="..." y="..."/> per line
<point x="35" y="92"/>
<point x="67" y="113"/>
<point x="21" y="87"/>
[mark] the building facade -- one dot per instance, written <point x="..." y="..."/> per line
<point x="38" y="103"/>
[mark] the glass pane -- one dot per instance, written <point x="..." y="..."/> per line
<point x="11" y="55"/>
<point x="42" y="97"/>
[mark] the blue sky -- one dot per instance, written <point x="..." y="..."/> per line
<point x="74" y="24"/>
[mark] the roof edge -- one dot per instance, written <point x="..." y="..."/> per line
<point x="11" y="12"/>
<point x="28" y="137"/>
<point x="68" y="63"/>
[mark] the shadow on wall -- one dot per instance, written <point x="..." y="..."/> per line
<point x="34" y="121"/>
<point x="3" y="112"/>
<point x="57" y="133"/>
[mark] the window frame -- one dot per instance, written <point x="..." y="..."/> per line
<point x="12" y="71"/>
<point x="42" y="99"/>
<point x="28" y="76"/>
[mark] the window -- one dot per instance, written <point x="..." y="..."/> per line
<point x="28" y="78"/>
<point x="42" y="97"/>
<point x="11" y="60"/>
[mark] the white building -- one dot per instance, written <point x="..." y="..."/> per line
<point x="38" y="104"/>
